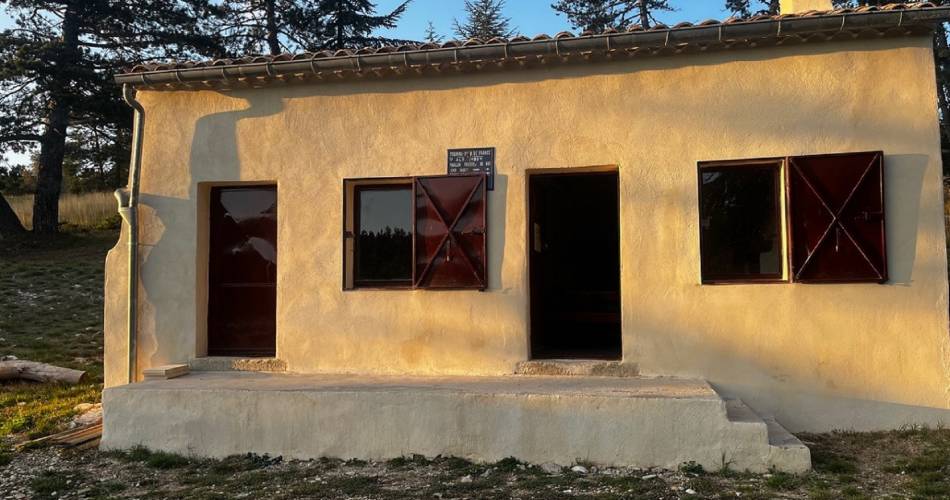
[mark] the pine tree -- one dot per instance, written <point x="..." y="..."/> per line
<point x="351" y="23"/>
<point x="485" y="21"/>
<point x="432" y="36"/>
<point x="599" y="15"/>
<point x="744" y="8"/>
<point x="56" y="67"/>
<point x="276" y="26"/>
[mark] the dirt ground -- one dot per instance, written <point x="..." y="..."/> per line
<point x="902" y="464"/>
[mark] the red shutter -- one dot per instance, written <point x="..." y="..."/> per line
<point x="836" y="218"/>
<point x="450" y="232"/>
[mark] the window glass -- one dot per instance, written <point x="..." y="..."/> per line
<point x="384" y="235"/>
<point x="740" y="226"/>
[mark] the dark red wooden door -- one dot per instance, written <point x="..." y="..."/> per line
<point x="450" y="232"/>
<point x="836" y="205"/>
<point x="242" y="271"/>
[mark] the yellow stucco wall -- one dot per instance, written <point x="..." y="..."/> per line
<point x="819" y="356"/>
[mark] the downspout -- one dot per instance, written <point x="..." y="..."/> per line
<point x="128" y="207"/>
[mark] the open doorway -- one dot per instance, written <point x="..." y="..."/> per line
<point x="574" y="246"/>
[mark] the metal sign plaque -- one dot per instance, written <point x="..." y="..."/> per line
<point x="473" y="161"/>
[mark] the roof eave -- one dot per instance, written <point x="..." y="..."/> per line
<point x="822" y="26"/>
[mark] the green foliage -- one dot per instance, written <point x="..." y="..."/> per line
<point x="484" y="21"/>
<point x="692" y="468"/>
<point x="833" y="462"/>
<point x="746" y="8"/>
<point x="432" y="35"/>
<point x="783" y="481"/>
<point x="407" y="461"/>
<point x="53" y="484"/>
<point x="56" y="67"/>
<point x="154" y="459"/>
<point x="110" y="223"/>
<point x="599" y="15"/>
<point x="276" y="26"/>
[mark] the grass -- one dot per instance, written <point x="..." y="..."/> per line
<point x="86" y="210"/>
<point x="51" y="311"/>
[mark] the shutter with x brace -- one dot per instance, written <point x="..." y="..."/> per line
<point x="450" y="232"/>
<point x="836" y="218"/>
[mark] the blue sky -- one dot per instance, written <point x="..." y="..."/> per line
<point x="529" y="16"/>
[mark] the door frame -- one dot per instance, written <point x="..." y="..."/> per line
<point x="529" y="239"/>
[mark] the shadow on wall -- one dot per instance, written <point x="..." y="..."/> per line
<point x="902" y="190"/>
<point x="497" y="217"/>
<point x="169" y="316"/>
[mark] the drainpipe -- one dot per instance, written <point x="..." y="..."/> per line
<point x="128" y="207"/>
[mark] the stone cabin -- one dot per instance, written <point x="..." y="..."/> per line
<point x="640" y="247"/>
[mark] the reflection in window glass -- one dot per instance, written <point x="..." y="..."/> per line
<point x="384" y="235"/>
<point x="739" y="222"/>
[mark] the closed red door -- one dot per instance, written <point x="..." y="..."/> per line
<point x="242" y="272"/>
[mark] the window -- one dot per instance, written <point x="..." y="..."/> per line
<point x="421" y="232"/>
<point x="740" y="221"/>
<point x="835" y="229"/>
<point x="383" y="235"/>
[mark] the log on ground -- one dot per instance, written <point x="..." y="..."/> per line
<point x="39" y="372"/>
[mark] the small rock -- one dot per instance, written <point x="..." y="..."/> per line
<point x="690" y="491"/>
<point x="83" y="407"/>
<point x="466" y="479"/>
<point x="648" y="477"/>
<point x="580" y="469"/>
<point x="551" y="468"/>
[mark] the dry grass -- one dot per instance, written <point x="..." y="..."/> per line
<point x="81" y="210"/>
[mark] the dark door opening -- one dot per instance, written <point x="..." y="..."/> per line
<point x="575" y="266"/>
<point x="242" y="272"/>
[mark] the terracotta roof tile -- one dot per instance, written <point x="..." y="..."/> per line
<point x="564" y="36"/>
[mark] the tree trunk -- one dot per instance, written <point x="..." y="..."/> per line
<point x="39" y="372"/>
<point x="644" y="14"/>
<point x="10" y="224"/>
<point x="49" y="174"/>
<point x="340" y="44"/>
<point x="273" y="40"/>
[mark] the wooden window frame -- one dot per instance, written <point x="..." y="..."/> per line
<point x="781" y="215"/>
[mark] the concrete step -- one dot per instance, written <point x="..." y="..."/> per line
<point x="785" y="451"/>
<point x="612" y="421"/>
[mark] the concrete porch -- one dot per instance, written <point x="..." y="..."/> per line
<point x="618" y="421"/>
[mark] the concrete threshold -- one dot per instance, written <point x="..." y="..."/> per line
<point x="617" y="421"/>
<point x="577" y="368"/>
<point x="225" y="364"/>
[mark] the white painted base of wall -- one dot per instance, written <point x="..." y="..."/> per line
<point x="643" y="422"/>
